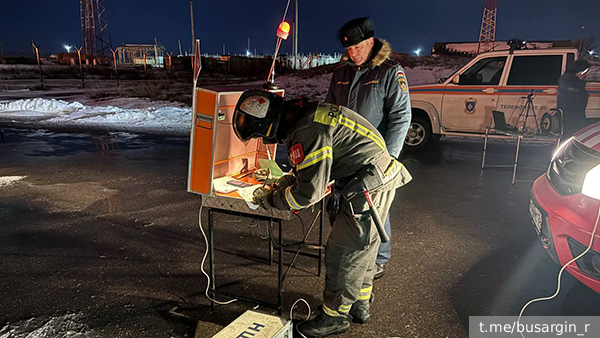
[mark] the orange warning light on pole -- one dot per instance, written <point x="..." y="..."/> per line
<point x="283" y="31"/>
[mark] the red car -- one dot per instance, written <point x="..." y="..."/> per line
<point x="565" y="202"/>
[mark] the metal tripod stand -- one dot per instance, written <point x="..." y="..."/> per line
<point x="527" y="112"/>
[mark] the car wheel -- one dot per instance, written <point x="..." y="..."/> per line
<point x="419" y="133"/>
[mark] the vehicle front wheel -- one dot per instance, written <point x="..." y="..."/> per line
<point x="419" y="133"/>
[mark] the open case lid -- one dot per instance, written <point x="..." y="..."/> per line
<point x="215" y="151"/>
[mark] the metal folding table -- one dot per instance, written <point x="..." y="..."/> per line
<point x="518" y="136"/>
<point x="239" y="208"/>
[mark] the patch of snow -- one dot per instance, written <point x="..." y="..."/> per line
<point x="165" y="118"/>
<point x="316" y="87"/>
<point x="160" y="118"/>
<point x="41" y="105"/>
<point x="67" y="326"/>
<point x="8" y="180"/>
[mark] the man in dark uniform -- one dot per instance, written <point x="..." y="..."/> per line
<point x="328" y="142"/>
<point x="372" y="85"/>
<point x="573" y="98"/>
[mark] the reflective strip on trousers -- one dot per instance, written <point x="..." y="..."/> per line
<point x="330" y="312"/>
<point x="365" y="293"/>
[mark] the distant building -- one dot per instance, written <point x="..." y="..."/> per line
<point x="132" y="54"/>
<point x="470" y="48"/>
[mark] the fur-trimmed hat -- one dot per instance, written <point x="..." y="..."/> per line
<point x="355" y="31"/>
<point x="578" y="66"/>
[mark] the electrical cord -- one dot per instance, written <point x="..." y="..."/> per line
<point x="204" y="259"/>
<point x="589" y="247"/>
<point x="307" y="316"/>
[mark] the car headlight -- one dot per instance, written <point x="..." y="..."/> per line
<point x="591" y="183"/>
<point x="561" y="148"/>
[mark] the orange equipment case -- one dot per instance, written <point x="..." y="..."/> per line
<point x="215" y="151"/>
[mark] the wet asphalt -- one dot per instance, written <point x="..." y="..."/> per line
<point x="103" y="225"/>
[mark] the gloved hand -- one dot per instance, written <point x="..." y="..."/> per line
<point x="285" y="181"/>
<point x="264" y="197"/>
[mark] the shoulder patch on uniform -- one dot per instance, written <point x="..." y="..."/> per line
<point x="401" y="79"/>
<point x="296" y="154"/>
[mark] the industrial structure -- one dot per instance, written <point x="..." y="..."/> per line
<point x="134" y="54"/>
<point x="94" y="28"/>
<point x="487" y="34"/>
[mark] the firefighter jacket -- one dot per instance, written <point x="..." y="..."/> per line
<point x="329" y="143"/>
<point x="377" y="90"/>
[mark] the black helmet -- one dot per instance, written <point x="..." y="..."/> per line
<point x="257" y="115"/>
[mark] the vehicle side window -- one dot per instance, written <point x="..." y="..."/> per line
<point x="570" y="59"/>
<point x="539" y="70"/>
<point x="484" y="72"/>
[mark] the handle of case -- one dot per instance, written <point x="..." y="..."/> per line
<point x="204" y="121"/>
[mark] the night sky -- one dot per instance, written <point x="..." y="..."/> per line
<point x="408" y="24"/>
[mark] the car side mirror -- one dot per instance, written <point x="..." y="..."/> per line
<point x="456" y="79"/>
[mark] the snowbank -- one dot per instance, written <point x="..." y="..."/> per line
<point x="160" y="119"/>
<point x="9" y="180"/>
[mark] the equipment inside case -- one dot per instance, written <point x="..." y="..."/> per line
<point x="215" y="150"/>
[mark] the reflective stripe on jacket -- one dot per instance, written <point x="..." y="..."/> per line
<point x="334" y="142"/>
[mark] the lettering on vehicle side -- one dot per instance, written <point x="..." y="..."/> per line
<point x="521" y="106"/>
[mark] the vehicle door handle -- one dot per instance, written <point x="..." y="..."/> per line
<point x="489" y="90"/>
<point x="550" y="91"/>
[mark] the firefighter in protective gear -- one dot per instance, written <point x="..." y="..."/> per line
<point x="328" y="142"/>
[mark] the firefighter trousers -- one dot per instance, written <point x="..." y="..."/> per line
<point x="351" y="252"/>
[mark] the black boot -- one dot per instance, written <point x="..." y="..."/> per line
<point x="323" y="325"/>
<point x="360" y="311"/>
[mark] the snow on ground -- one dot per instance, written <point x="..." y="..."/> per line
<point x="162" y="118"/>
<point x="9" y="180"/>
<point x="316" y="87"/>
<point x="156" y="118"/>
<point x="67" y="326"/>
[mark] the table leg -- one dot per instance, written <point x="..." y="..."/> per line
<point x="484" y="147"/>
<point x="321" y="236"/>
<point x="516" y="158"/>
<point x="280" y="269"/>
<point x="211" y="257"/>
<point x="270" y="246"/>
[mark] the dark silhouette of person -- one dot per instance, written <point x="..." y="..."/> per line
<point x="573" y="98"/>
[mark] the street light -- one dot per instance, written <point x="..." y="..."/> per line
<point x="418" y="52"/>
<point x="68" y="48"/>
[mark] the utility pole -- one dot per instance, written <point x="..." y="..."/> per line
<point x="223" y="49"/>
<point x="114" y="53"/>
<point x="192" y="18"/>
<point x="80" y="65"/>
<point x="296" y="36"/>
<point x="180" y="52"/>
<point x="248" y="50"/>
<point x="37" y="54"/>
<point x="155" y="52"/>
